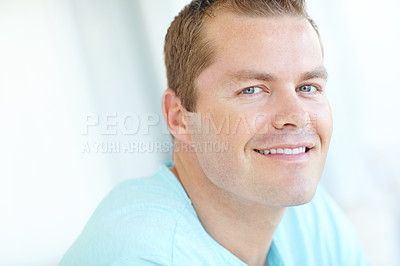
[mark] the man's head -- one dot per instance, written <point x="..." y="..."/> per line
<point x="260" y="92"/>
<point x="188" y="51"/>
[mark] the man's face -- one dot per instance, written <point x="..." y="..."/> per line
<point x="264" y="99"/>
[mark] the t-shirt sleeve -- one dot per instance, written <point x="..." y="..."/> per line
<point x="134" y="238"/>
<point x="127" y="228"/>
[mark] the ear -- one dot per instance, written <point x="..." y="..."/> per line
<point x="174" y="115"/>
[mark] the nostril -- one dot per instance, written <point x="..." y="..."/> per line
<point x="291" y="120"/>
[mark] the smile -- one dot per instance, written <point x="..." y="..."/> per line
<point x="284" y="151"/>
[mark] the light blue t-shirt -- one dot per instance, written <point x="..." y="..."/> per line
<point x="151" y="221"/>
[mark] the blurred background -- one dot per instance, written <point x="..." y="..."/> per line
<point x="80" y="111"/>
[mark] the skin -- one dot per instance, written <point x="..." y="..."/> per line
<point x="264" y="90"/>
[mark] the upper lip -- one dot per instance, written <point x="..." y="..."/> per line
<point x="288" y="146"/>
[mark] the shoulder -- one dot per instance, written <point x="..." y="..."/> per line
<point x="136" y="220"/>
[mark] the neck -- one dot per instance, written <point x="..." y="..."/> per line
<point x="243" y="227"/>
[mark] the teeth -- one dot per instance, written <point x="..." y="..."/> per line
<point x="283" y="151"/>
<point x="287" y="151"/>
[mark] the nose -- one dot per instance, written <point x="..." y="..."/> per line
<point x="289" y="111"/>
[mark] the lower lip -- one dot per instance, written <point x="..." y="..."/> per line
<point x="288" y="157"/>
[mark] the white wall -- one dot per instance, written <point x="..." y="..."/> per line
<point x="361" y="43"/>
<point x="65" y="63"/>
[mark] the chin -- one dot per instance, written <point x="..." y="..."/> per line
<point x="287" y="196"/>
<point x="301" y="195"/>
<point x="301" y="201"/>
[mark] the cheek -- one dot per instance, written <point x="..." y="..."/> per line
<point x="264" y="123"/>
<point x="229" y="122"/>
<point x="324" y="123"/>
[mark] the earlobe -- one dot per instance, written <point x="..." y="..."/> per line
<point x="174" y="115"/>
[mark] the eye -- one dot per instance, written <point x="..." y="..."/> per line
<point x="252" y="90"/>
<point x="308" y="88"/>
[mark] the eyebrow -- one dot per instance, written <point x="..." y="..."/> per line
<point x="251" y="75"/>
<point x="319" y="72"/>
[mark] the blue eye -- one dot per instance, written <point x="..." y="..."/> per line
<point x="307" y="88"/>
<point x="251" y="90"/>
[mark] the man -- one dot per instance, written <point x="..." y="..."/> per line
<point x="249" y="76"/>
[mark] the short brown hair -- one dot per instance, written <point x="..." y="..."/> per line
<point x="187" y="52"/>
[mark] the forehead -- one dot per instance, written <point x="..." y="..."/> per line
<point x="263" y="42"/>
<point x="226" y="26"/>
